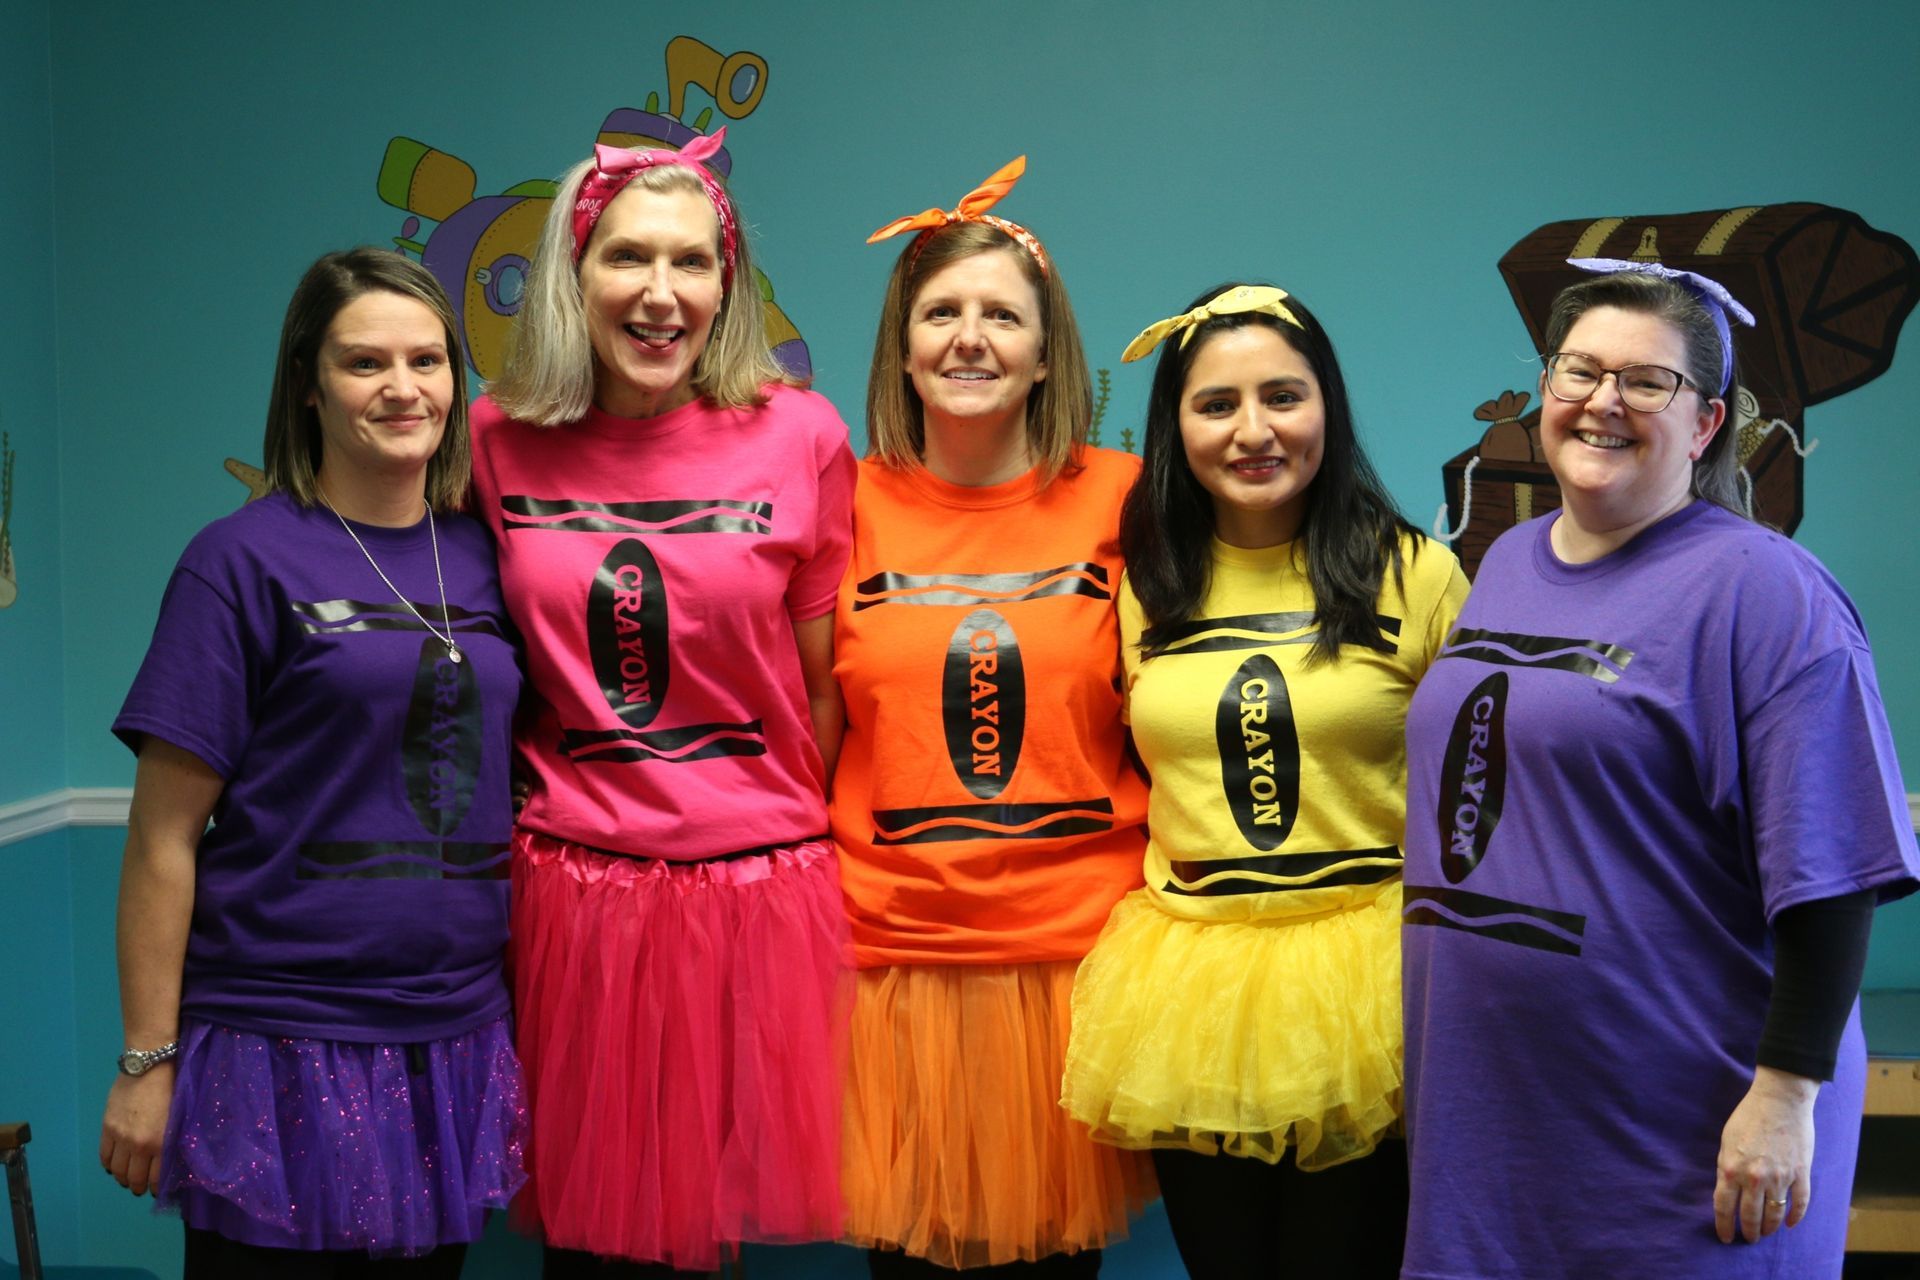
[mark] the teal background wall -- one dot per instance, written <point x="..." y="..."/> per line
<point x="32" y="724"/>
<point x="1377" y="165"/>
<point x="39" y="1010"/>
<point x="166" y="172"/>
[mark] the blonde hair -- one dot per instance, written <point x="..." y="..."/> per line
<point x="549" y="374"/>
<point x="294" y="445"/>
<point x="1059" y="410"/>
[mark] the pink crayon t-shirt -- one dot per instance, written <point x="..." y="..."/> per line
<point x="655" y="568"/>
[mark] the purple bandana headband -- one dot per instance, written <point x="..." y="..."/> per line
<point x="1712" y="295"/>
<point x="614" y="167"/>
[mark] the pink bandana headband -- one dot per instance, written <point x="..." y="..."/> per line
<point x="614" y="167"/>
<point x="972" y="208"/>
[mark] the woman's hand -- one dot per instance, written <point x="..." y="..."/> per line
<point x="174" y="793"/>
<point x="135" y="1124"/>
<point x="1766" y="1157"/>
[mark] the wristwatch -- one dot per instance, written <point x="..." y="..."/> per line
<point x="137" y="1062"/>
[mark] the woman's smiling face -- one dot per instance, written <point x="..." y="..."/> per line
<point x="1254" y="427"/>
<point x="651" y="283"/>
<point x="1622" y="469"/>
<point x="975" y="342"/>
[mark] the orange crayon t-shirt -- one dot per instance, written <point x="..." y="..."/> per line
<point x="984" y="805"/>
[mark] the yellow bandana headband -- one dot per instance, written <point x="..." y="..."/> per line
<point x="1241" y="298"/>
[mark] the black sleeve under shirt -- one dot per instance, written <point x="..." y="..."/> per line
<point x="1819" y="953"/>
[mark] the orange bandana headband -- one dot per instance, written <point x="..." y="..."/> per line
<point x="972" y="208"/>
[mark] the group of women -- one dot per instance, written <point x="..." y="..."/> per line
<point x="937" y="852"/>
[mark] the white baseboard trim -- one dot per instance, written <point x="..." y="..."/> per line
<point x="107" y="807"/>
<point x="68" y="807"/>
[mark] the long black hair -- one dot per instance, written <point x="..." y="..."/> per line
<point x="1350" y="535"/>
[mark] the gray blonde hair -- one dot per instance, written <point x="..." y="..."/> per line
<point x="294" y="444"/>
<point x="1059" y="410"/>
<point x="549" y="375"/>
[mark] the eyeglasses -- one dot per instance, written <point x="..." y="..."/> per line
<point x="1648" y="388"/>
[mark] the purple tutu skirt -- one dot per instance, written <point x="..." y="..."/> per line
<point x="330" y="1145"/>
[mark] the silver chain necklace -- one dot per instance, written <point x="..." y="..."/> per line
<point x="446" y="617"/>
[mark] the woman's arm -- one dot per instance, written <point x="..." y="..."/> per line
<point x="1765" y="1167"/>
<point x="814" y="639"/>
<point x="174" y="793"/>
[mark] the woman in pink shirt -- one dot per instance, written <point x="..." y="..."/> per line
<point x="672" y="514"/>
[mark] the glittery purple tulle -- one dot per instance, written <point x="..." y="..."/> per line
<point x="325" y="1144"/>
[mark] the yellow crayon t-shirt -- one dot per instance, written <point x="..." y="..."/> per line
<point x="1279" y="786"/>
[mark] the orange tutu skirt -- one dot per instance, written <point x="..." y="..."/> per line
<point x="955" y="1148"/>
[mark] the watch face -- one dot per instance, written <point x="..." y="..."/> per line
<point x="134" y="1063"/>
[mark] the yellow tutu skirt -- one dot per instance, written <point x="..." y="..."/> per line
<point x="1240" y="1036"/>
<point x="955" y="1148"/>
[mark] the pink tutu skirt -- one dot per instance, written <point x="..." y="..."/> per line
<point x="331" y="1145"/>
<point x="682" y="1027"/>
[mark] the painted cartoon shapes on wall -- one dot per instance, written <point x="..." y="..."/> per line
<point x="1830" y="294"/>
<point x="1102" y="396"/>
<point x="251" y="476"/>
<point x="9" y="578"/>
<point x="482" y="246"/>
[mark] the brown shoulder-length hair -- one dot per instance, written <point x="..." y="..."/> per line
<point x="549" y="375"/>
<point x="293" y="443"/>
<point x="1059" y="410"/>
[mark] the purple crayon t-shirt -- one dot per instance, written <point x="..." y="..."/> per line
<point x="353" y="884"/>
<point x="1619" y="772"/>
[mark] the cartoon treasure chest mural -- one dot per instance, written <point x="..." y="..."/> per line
<point x="1830" y="294"/>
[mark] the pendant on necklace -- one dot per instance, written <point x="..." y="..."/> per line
<point x="453" y="653"/>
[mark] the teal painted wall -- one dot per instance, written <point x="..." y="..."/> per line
<point x="1378" y="165"/>
<point x="32" y="729"/>
<point x="168" y="174"/>
<point x="38" y="1069"/>
<point x="115" y="1227"/>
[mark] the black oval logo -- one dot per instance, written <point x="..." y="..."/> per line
<point x="983" y="696"/>
<point x="1473" y="778"/>
<point x="627" y="632"/>
<point x="1259" y="752"/>
<point x="440" y="744"/>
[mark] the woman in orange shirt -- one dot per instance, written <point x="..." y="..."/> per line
<point x="986" y="813"/>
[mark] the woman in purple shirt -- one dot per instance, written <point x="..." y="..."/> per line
<point x="313" y="899"/>
<point x="1652" y="802"/>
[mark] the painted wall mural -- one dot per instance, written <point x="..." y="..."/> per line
<point x="1102" y="395"/>
<point x="1830" y="294"/>
<point x="480" y="247"/>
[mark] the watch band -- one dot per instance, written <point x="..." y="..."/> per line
<point x="137" y="1062"/>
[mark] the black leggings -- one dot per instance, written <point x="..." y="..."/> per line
<point x="211" y="1256"/>
<point x="891" y="1264"/>
<point x="1237" y="1217"/>
<point x="577" y="1264"/>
